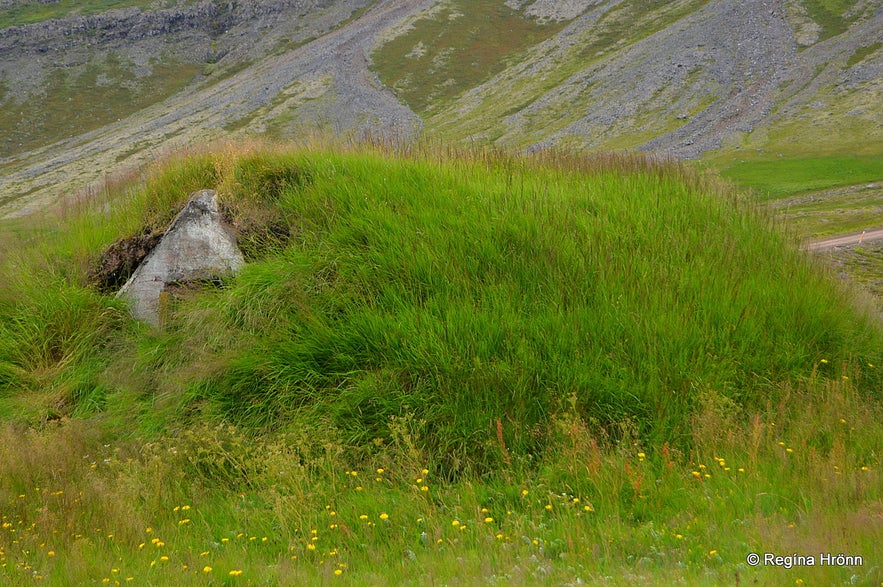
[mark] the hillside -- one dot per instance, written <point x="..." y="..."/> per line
<point x="436" y="365"/>
<point x="111" y="83"/>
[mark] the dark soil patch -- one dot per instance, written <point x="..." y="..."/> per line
<point x="119" y="261"/>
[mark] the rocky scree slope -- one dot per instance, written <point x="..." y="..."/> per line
<point x="686" y="77"/>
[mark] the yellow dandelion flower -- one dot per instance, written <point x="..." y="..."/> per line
<point x="184" y="521"/>
<point x="424" y="488"/>
<point x="311" y="546"/>
<point x="363" y="517"/>
<point x="789" y="450"/>
<point x="455" y="523"/>
<point x="235" y="573"/>
<point x="380" y="471"/>
<point x="338" y="572"/>
<point x="641" y="455"/>
<point x="488" y="520"/>
<point x="824" y="361"/>
<point x="549" y="507"/>
<point x="206" y="569"/>
<point x="164" y="559"/>
<point x="384" y="516"/>
<point x="50" y="553"/>
<point x="524" y="492"/>
<point x="425" y="472"/>
<point x="712" y="552"/>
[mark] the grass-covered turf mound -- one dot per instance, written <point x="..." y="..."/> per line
<point x="436" y="368"/>
<point x="474" y="296"/>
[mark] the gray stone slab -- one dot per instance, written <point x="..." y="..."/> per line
<point x="196" y="246"/>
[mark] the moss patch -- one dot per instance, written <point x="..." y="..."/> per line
<point x="103" y="92"/>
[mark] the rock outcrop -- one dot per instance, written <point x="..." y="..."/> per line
<point x="196" y="247"/>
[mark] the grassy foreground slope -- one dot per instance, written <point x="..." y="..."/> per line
<point x="437" y="366"/>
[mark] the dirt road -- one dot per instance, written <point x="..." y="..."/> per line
<point x="846" y="240"/>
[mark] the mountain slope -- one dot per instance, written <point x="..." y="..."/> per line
<point x="309" y="82"/>
<point x="89" y="93"/>
<point x="682" y="77"/>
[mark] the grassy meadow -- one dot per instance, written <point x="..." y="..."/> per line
<point x="773" y="179"/>
<point x="438" y="367"/>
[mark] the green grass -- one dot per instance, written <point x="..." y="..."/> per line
<point x="773" y="179"/>
<point x="458" y="47"/>
<point x="32" y="12"/>
<point x="601" y="367"/>
<point x="866" y="266"/>
<point x="828" y="213"/>
<point x="98" y="94"/>
<point x="829" y="14"/>
<point x="863" y="52"/>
